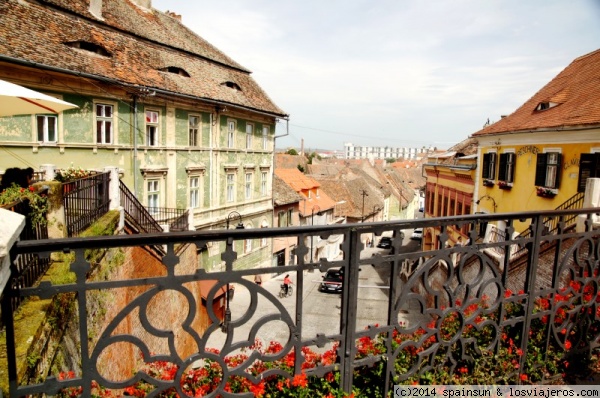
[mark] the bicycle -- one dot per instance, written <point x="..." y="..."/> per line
<point x="282" y="294"/>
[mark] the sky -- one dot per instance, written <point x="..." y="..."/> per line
<point x="398" y="73"/>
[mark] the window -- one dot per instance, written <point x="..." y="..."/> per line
<point x="489" y="166"/>
<point x="247" y="245"/>
<point x="263" y="183"/>
<point x="151" y="128"/>
<point x="281" y="219"/>
<point x="589" y="167"/>
<point x="230" y="134"/>
<point x="194" y="192"/>
<point x="104" y="124"/>
<point x="506" y="171"/>
<point x="290" y="214"/>
<point x="547" y="171"/>
<point x="249" y="132"/>
<point x="46" y="128"/>
<point x="248" y="185"/>
<point x="230" y="187"/>
<point x="265" y="138"/>
<point x="194" y="130"/>
<point x="153" y="194"/>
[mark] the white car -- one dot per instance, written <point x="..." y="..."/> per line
<point x="417" y="234"/>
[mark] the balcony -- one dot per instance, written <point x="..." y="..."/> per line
<point x="446" y="311"/>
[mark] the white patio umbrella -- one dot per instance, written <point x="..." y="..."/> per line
<point x="18" y="100"/>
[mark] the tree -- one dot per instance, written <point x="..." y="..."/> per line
<point x="291" y="151"/>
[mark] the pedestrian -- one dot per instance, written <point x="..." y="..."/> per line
<point x="286" y="283"/>
<point x="258" y="279"/>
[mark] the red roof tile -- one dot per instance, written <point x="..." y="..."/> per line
<point x="573" y="97"/>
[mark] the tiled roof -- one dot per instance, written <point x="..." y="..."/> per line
<point x="283" y="194"/>
<point x="295" y="179"/>
<point x="572" y="97"/>
<point x="140" y="42"/>
<point x="285" y="161"/>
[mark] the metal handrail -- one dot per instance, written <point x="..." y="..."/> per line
<point x="136" y="213"/>
<point x="85" y="201"/>
<point x="438" y="286"/>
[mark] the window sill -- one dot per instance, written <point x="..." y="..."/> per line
<point x="488" y="183"/>
<point x="505" y="185"/>
<point x="547" y="192"/>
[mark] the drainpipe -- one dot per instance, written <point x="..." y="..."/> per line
<point x="210" y="161"/>
<point x="135" y="129"/>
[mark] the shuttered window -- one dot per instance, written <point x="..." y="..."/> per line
<point x="547" y="170"/>
<point x="489" y="166"/>
<point x="589" y="167"/>
<point x="506" y="168"/>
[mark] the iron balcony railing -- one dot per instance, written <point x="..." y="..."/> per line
<point x="85" y="201"/>
<point x="176" y="219"/>
<point x="449" y="309"/>
<point x="30" y="267"/>
<point x="137" y="215"/>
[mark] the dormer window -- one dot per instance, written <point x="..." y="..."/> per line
<point x="232" y="85"/>
<point x="89" y="47"/>
<point x="176" y="70"/>
<point x="542" y="106"/>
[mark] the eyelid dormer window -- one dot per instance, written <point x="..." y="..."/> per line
<point x="89" y="47"/>
<point x="176" y="70"/>
<point x="232" y="85"/>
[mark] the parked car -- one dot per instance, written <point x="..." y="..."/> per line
<point x="417" y="234"/>
<point x="332" y="280"/>
<point x="385" y="242"/>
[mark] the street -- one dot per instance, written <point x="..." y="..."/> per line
<point x="320" y="311"/>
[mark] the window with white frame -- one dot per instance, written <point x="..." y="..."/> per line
<point x="230" y="134"/>
<point x="263" y="241"/>
<point x="194" y="130"/>
<point x="547" y="171"/>
<point x="290" y="219"/>
<point x="194" y="192"/>
<point x="247" y="244"/>
<point x="488" y="171"/>
<point x="46" y="128"/>
<point x="263" y="183"/>
<point x="249" y="133"/>
<point x="248" y="186"/>
<point x="506" y="169"/>
<point x="265" y="138"/>
<point x="104" y="124"/>
<point x="153" y="194"/>
<point x="281" y="219"/>
<point x="230" y="187"/>
<point x="151" y="128"/>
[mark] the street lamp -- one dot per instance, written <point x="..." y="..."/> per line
<point x="227" y="318"/>
<point x="312" y="222"/>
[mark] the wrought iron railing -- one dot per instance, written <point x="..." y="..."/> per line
<point x="85" y="201"/>
<point x="176" y="219"/>
<point x="29" y="267"/>
<point x="137" y="215"/>
<point x="448" y="309"/>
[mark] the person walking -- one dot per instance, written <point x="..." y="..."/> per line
<point x="286" y="283"/>
<point x="258" y="279"/>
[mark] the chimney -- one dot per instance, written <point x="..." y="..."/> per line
<point x="96" y="8"/>
<point x="173" y="15"/>
<point x="302" y="147"/>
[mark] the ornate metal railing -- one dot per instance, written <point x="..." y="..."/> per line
<point x="448" y="310"/>
<point x="176" y="219"/>
<point x="85" y="201"/>
<point x="135" y="212"/>
<point x="31" y="266"/>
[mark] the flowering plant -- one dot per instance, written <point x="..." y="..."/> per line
<point x="71" y="174"/>
<point x="37" y="204"/>
<point x="505" y="185"/>
<point x="488" y="183"/>
<point x="546" y="192"/>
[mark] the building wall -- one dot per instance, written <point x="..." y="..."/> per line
<point x="523" y="194"/>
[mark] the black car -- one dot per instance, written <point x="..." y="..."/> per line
<point x="332" y="280"/>
<point x="385" y="243"/>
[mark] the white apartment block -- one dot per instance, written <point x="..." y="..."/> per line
<point x="380" y="152"/>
